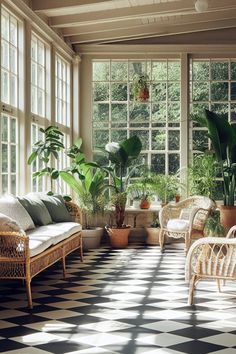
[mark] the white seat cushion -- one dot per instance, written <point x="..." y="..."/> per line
<point x="44" y="236"/>
<point x="177" y="225"/>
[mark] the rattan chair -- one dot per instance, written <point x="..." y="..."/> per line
<point x="185" y="219"/>
<point x="211" y="258"/>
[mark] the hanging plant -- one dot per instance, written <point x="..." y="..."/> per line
<point x="140" y="87"/>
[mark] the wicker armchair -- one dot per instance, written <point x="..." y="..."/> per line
<point x="211" y="258"/>
<point x="185" y="219"/>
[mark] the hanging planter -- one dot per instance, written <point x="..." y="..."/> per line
<point x="140" y="88"/>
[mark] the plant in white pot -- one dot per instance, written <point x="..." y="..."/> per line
<point x="121" y="166"/>
<point x="89" y="183"/>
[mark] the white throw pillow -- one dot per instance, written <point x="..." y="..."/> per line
<point x="177" y="225"/>
<point x="11" y="207"/>
<point x="9" y="225"/>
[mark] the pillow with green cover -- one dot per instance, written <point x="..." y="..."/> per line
<point x="36" y="209"/>
<point x="56" y="207"/>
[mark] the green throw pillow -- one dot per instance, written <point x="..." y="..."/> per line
<point x="36" y="208"/>
<point x="56" y="207"/>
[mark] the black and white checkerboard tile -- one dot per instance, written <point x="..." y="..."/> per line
<point x="118" y="301"/>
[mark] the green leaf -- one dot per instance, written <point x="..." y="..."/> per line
<point x="32" y="157"/>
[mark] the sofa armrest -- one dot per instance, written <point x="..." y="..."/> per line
<point x="14" y="246"/>
<point x="75" y="211"/>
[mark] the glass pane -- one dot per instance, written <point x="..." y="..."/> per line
<point x="5" y="54"/>
<point x="4" y="158"/>
<point x="34" y="137"/>
<point x="100" y="159"/>
<point x="173" y="70"/>
<point x="13" y="184"/>
<point x="233" y="112"/>
<point x="13" y="130"/>
<point x="119" y="114"/>
<point x="41" y="77"/>
<point x="233" y="91"/>
<point x="41" y="103"/>
<point x="139" y="112"/>
<point x="4" y="183"/>
<point x="13" y="158"/>
<point x="159" y="140"/>
<point x="144" y="137"/>
<point x="173" y="112"/>
<point x="135" y="68"/>
<point x="200" y="91"/>
<point x="118" y="135"/>
<point x="5" y="87"/>
<point x="219" y="91"/>
<point x="159" y="71"/>
<point x="119" y="92"/>
<point x="34" y="99"/>
<point x="219" y="70"/>
<point x="33" y="73"/>
<point x="201" y="70"/>
<point x="174" y="164"/>
<point x="198" y="109"/>
<point x="101" y="92"/>
<point x="119" y="70"/>
<point x="41" y="51"/>
<point x="200" y="140"/>
<point x="13" y="88"/>
<point x="4" y="128"/>
<point x="158" y="163"/>
<point x="159" y="113"/>
<point x="34" y="49"/>
<point x="100" y="71"/>
<point x="159" y="92"/>
<point x="173" y="140"/>
<point x="233" y="70"/>
<point x="100" y="138"/>
<point x="13" y="31"/>
<point x="5" y="25"/>
<point x="100" y="114"/>
<point x="222" y="109"/>
<point x="13" y="59"/>
<point x="173" y="91"/>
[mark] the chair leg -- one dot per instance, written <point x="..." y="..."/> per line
<point x="218" y="285"/>
<point x="162" y="240"/>
<point x="191" y="289"/>
<point x="187" y="243"/>
<point x="28" y="291"/>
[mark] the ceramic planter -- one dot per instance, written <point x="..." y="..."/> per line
<point x="92" y="237"/>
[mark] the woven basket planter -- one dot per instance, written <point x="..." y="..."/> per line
<point x="119" y="237"/>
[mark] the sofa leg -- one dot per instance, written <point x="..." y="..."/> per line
<point x="64" y="266"/>
<point x="29" y="294"/>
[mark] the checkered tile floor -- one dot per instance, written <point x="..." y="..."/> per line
<point x="118" y="301"/>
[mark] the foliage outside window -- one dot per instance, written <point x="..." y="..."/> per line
<point x="117" y="116"/>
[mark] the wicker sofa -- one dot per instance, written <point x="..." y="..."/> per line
<point x="25" y="254"/>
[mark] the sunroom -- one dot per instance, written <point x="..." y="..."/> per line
<point x="104" y="102"/>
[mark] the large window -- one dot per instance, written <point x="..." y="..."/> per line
<point x="10" y="102"/>
<point x="117" y="116"/>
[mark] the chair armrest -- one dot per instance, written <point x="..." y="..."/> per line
<point x="169" y="211"/>
<point x="232" y="232"/>
<point x="211" y="249"/>
<point x="14" y="246"/>
<point x="74" y="211"/>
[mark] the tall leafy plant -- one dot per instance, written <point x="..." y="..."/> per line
<point x="222" y="135"/>
<point x="45" y="150"/>
<point x="121" y="158"/>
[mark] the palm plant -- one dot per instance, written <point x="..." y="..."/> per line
<point x="222" y="135"/>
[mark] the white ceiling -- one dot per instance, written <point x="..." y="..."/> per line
<point x="82" y="22"/>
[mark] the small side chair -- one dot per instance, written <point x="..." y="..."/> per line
<point x="211" y="258"/>
<point x="185" y="219"/>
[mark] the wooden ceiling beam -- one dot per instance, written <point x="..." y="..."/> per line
<point x="45" y="5"/>
<point x="150" y="31"/>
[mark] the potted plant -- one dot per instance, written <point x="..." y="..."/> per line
<point x="222" y="135"/>
<point x="142" y="189"/>
<point x="213" y="226"/>
<point x="152" y="232"/>
<point x="89" y="183"/>
<point x="166" y="187"/>
<point x="140" y="87"/>
<point x="121" y="158"/>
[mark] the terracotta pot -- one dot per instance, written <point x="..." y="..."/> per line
<point x="143" y="95"/>
<point x="227" y="216"/>
<point x="145" y="204"/>
<point x="177" y="198"/>
<point x="119" y="237"/>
